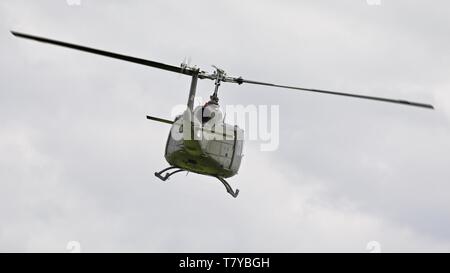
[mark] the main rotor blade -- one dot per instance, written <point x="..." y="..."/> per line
<point x="160" y="120"/>
<point x="410" y="103"/>
<point x="106" y="53"/>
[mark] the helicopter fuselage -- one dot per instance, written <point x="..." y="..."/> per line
<point x="214" y="151"/>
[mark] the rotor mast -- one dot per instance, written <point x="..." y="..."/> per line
<point x="218" y="76"/>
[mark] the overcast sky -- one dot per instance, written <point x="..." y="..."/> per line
<point x="77" y="155"/>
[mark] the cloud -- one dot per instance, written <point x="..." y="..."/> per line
<point x="77" y="154"/>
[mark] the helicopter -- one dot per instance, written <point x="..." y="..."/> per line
<point x="199" y="140"/>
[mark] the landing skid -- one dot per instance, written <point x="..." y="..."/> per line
<point x="228" y="187"/>
<point x="168" y="173"/>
